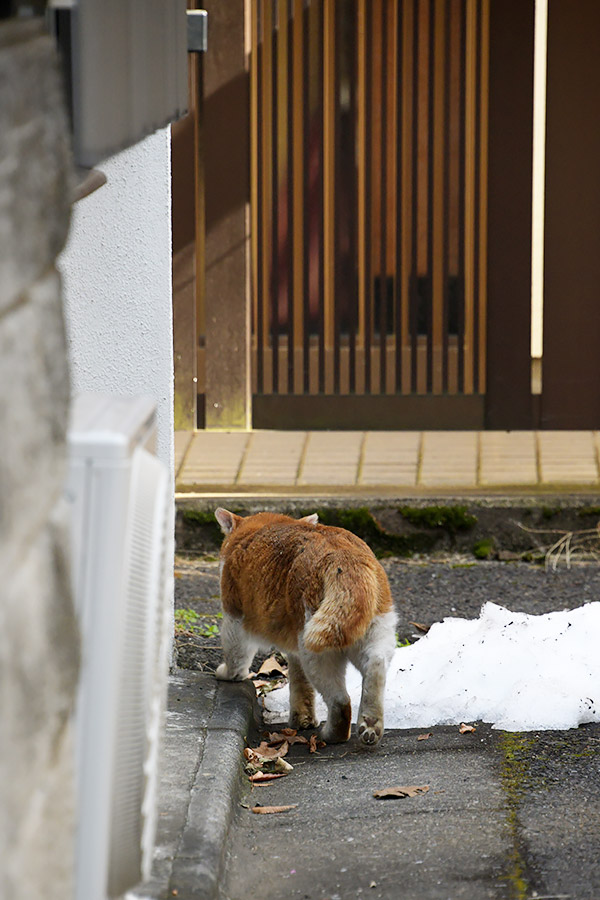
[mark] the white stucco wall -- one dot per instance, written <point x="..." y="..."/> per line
<point x="117" y="283"/>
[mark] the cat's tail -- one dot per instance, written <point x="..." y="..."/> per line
<point x="350" y="596"/>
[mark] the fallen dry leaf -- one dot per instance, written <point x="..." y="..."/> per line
<point x="425" y="737"/>
<point x="266" y="810"/>
<point x="266" y="777"/>
<point x="286" y="734"/>
<point x="267" y="751"/>
<point x="401" y="791"/>
<point x="420" y="626"/>
<point x="315" y="744"/>
<point x="265" y="687"/>
<point x="466" y="729"/>
<point x="272" y="667"/>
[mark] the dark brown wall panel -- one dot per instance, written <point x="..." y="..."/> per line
<point x="571" y="373"/>
<point x="508" y="400"/>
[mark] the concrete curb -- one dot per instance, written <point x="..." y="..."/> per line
<point x="199" y="862"/>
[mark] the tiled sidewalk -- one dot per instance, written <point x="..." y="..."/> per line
<point x="289" y="462"/>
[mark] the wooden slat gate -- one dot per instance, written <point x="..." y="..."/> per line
<point x="369" y="142"/>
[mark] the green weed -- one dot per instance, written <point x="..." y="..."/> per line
<point x="188" y="620"/>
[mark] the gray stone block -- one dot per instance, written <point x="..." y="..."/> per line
<point x="33" y="412"/>
<point x="36" y="174"/>
<point x="38" y="677"/>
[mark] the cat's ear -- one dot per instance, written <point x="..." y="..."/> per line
<point x="313" y="519"/>
<point x="227" y="520"/>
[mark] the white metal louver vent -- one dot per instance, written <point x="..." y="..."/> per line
<point x="121" y="540"/>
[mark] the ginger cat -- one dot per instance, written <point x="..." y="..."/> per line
<point x="318" y="594"/>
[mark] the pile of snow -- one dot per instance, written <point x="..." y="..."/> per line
<point x="520" y="672"/>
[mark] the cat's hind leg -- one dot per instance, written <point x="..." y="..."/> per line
<point x="372" y="656"/>
<point x="239" y="649"/>
<point x="302" y="696"/>
<point x="327" y="672"/>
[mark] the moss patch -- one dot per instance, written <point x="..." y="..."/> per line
<point x="448" y="518"/>
<point x="383" y="543"/>
<point x="516" y="750"/>
<point x="589" y="511"/>
<point x="199" y="520"/>
<point x="484" y="549"/>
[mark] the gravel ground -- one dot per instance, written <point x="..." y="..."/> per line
<point x="425" y="591"/>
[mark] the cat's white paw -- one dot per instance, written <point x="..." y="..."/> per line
<point x="369" y="730"/>
<point x="225" y="674"/>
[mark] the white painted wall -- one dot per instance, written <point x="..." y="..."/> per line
<point x="117" y="283"/>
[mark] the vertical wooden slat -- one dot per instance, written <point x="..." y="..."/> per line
<point x="329" y="168"/>
<point x="269" y="201"/>
<point x="476" y="198"/>
<point x="470" y="167"/>
<point x="336" y="296"/>
<point x="446" y="194"/>
<point x="352" y="74"/>
<point x="368" y="271"/>
<point x="483" y="196"/>
<point x="461" y="198"/>
<point x="261" y="199"/>
<point x="414" y="297"/>
<point x="254" y="165"/>
<point x="430" y="189"/>
<point x="398" y="193"/>
<point x="306" y="204"/>
<point x="298" y="215"/>
<point x="383" y="202"/>
<point x="291" y="231"/>
<point x="275" y="197"/>
<point x="361" y="159"/>
<point x="408" y="52"/>
<point x="440" y="155"/>
<point x="322" y="189"/>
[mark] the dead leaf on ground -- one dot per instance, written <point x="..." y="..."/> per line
<point x="315" y="744"/>
<point x="286" y="734"/>
<point x="420" y="626"/>
<point x="425" y="737"/>
<point x="266" y="777"/>
<point x="263" y="754"/>
<point x="272" y="667"/>
<point x="265" y="687"/>
<point x="260" y="764"/>
<point x="266" y="810"/>
<point x="271" y="751"/>
<point x="466" y="729"/>
<point x="401" y="791"/>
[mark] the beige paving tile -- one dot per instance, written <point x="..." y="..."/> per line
<point x="331" y="457"/>
<point x="508" y="457"/>
<point x="449" y="457"/>
<point x="182" y="442"/>
<point x="568" y="457"/>
<point x="390" y="457"/>
<point x="214" y="458"/>
<point x="273" y="457"/>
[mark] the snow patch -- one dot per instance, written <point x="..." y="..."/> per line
<point x="520" y="672"/>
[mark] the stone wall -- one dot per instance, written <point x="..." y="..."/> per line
<point x="38" y="636"/>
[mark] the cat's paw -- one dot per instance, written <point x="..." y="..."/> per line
<point x="302" y="720"/>
<point x="369" y="731"/>
<point x="223" y="674"/>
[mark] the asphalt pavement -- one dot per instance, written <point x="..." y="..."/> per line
<point x="504" y="815"/>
